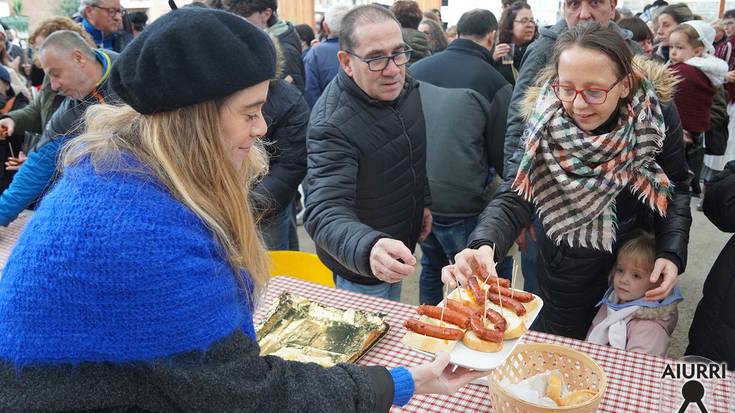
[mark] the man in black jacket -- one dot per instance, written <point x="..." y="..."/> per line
<point x="472" y="115"/>
<point x="366" y="154"/>
<point x="287" y="115"/>
<point x="262" y="13"/>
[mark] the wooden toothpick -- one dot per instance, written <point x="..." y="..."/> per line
<point x="513" y="278"/>
<point x="444" y="298"/>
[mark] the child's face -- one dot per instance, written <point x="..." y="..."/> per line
<point x="680" y="50"/>
<point x="631" y="278"/>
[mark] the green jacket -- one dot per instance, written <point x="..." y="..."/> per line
<point x="417" y="41"/>
<point x="33" y="117"/>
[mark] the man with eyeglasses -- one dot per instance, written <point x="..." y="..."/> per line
<point x="366" y="155"/>
<point x="470" y="115"/>
<point x="103" y="20"/>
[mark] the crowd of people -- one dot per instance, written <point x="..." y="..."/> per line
<point x="163" y="160"/>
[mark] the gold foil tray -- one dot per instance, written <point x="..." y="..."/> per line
<point x="299" y="329"/>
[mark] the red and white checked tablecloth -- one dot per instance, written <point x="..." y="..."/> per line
<point x="9" y="235"/>
<point x="634" y="380"/>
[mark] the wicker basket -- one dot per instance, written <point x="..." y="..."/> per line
<point x="579" y="371"/>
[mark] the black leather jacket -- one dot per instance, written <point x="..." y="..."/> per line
<point x="287" y="116"/>
<point x="367" y="174"/>
<point x="712" y="333"/>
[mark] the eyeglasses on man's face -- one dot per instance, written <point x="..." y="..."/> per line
<point x="591" y="95"/>
<point x="378" y="64"/>
<point x="111" y="11"/>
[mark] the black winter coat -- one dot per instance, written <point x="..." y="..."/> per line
<point x="712" y="333"/>
<point x="574" y="279"/>
<point x="366" y="174"/>
<point x="287" y="115"/>
<point x="293" y="66"/>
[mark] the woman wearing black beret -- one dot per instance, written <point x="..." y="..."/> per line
<point x="133" y="286"/>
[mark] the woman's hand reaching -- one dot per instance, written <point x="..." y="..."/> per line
<point x="439" y="377"/>
<point x="668" y="272"/>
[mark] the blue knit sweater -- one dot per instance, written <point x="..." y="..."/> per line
<point x="112" y="268"/>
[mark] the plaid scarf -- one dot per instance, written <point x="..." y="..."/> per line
<point x="573" y="178"/>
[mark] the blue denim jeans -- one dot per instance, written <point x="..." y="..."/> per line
<point x="447" y="238"/>
<point x="389" y="291"/>
<point x="276" y="230"/>
<point x="530" y="260"/>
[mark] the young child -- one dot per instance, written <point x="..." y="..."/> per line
<point x="626" y="320"/>
<point x="701" y="73"/>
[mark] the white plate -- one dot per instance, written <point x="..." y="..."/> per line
<point x="463" y="356"/>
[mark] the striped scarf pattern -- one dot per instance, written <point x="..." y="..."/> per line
<point x="573" y="178"/>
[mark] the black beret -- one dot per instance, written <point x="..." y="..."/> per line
<point x="190" y="56"/>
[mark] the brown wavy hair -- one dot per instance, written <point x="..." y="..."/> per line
<point x="505" y="26"/>
<point x="46" y="27"/>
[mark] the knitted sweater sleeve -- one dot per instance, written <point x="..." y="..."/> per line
<point x="230" y="376"/>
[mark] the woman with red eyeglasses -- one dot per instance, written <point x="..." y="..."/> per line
<point x="603" y="157"/>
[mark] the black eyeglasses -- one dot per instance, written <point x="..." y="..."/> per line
<point x="111" y="11"/>
<point x="378" y="64"/>
<point x="524" y="21"/>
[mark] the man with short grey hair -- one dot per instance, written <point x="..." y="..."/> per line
<point x="80" y="74"/>
<point x="320" y="62"/>
<point x="103" y="20"/>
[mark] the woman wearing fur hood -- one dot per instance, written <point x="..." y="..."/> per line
<point x="602" y="157"/>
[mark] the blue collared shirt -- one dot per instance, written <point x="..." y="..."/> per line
<point x="99" y="38"/>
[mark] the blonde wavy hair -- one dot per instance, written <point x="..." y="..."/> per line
<point x="183" y="150"/>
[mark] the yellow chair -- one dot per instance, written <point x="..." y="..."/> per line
<point x="302" y="265"/>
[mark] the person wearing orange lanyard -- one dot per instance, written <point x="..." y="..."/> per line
<point x="79" y="73"/>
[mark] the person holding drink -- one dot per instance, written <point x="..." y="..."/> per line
<point x="516" y="30"/>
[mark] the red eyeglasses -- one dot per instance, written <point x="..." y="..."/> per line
<point x="591" y="95"/>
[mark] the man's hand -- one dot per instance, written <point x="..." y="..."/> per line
<point x="730" y="77"/>
<point x="391" y="261"/>
<point x="13" y="164"/>
<point x="668" y="272"/>
<point x="425" y="225"/>
<point x="7" y="126"/>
